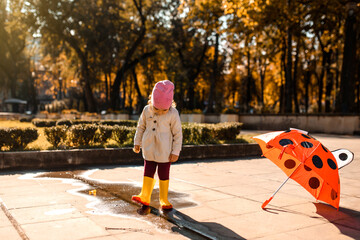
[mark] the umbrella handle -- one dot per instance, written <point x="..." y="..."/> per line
<point x="266" y="202"/>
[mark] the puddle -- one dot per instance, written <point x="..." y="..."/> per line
<point x="114" y="198"/>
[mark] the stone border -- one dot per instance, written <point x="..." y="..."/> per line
<point x="121" y="156"/>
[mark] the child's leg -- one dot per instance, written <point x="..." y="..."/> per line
<point x="149" y="168"/>
<point x="148" y="184"/>
<point x="164" y="172"/>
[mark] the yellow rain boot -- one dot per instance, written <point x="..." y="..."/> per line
<point x="164" y="188"/>
<point x="145" y="196"/>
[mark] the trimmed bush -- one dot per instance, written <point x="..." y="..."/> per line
<point x="103" y="134"/>
<point x="79" y="122"/>
<point x="64" y="122"/>
<point x="126" y="123"/>
<point x="81" y="135"/>
<point x="121" y="133"/>
<point x="206" y="134"/>
<point x="26" y="119"/>
<point x="227" y="131"/>
<point x="132" y="132"/>
<point x="17" y="138"/>
<point x="187" y="134"/>
<point x="195" y="133"/>
<point x="43" y="122"/>
<point x="56" y="135"/>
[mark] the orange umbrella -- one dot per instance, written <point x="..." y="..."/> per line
<point x="305" y="160"/>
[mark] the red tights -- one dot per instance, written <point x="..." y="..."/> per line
<point x="163" y="169"/>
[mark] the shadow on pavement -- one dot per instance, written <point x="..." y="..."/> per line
<point x="346" y="220"/>
<point x="193" y="229"/>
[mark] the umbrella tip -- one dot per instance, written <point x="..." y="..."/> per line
<point x="266" y="203"/>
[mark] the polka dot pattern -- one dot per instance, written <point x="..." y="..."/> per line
<point x="307" y="168"/>
<point x="325" y="149"/>
<point x="285" y="141"/>
<point x="331" y="164"/>
<point x="317" y="161"/>
<point x="314" y="182"/>
<point x="343" y="156"/>
<point x="305" y="136"/>
<point x="290" y="164"/>
<point x="306" y="144"/>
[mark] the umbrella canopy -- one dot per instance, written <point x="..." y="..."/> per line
<point x="305" y="160"/>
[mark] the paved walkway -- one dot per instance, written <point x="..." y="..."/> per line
<point x="222" y="197"/>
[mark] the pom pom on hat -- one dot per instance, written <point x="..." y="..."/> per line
<point x="163" y="94"/>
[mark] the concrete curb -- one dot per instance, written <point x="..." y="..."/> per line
<point x="120" y="156"/>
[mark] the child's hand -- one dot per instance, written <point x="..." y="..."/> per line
<point x="136" y="149"/>
<point x="173" y="158"/>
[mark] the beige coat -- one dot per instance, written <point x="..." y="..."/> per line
<point x="159" y="135"/>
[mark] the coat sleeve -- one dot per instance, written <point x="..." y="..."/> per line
<point x="140" y="129"/>
<point x="176" y="131"/>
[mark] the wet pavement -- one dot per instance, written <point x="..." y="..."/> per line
<point x="213" y="199"/>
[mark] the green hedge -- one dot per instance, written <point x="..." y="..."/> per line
<point x="81" y="135"/>
<point x="71" y="134"/>
<point x="56" y="135"/>
<point x="17" y="138"/>
<point x="64" y="122"/>
<point x="202" y="133"/>
<point x="51" y="123"/>
<point x="126" y="123"/>
<point x="122" y="133"/>
<point x="103" y="134"/>
<point x="193" y="133"/>
<point x="43" y="122"/>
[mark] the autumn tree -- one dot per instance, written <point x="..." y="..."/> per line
<point x="348" y="73"/>
<point x="14" y="63"/>
<point x="137" y="14"/>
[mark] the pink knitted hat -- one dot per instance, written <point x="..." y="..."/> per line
<point x="162" y="94"/>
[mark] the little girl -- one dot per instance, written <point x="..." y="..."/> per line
<point x="159" y="134"/>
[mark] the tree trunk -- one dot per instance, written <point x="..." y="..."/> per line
<point x="214" y="77"/>
<point x="123" y="101"/>
<point x="288" y="69"/>
<point x="288" y="73"/>
<point x="283" y="67"/>
<point x="307" y="83"/>
<point x="107" y="89"/>
<point x="33" y="97"/>
<point x="191" y="94"/>
<point x="321" y="82"/>
<point x="347" y="84"/>
<point x="248" y="83"/>
<point x="115" y="89"/>
<point x="262" y="67"/>
<point x="89" y="97"/>
<point x="337" y="82"/>
<point x="140" y="98"/>
<point x="296" y="102"/>
<point x="329" y="82"/>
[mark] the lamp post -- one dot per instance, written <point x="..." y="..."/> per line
<point x="33" y="92"/>
<point x="60" y="88"/>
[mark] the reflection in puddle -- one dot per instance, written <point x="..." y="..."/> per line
<point x="114" y="198"/>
